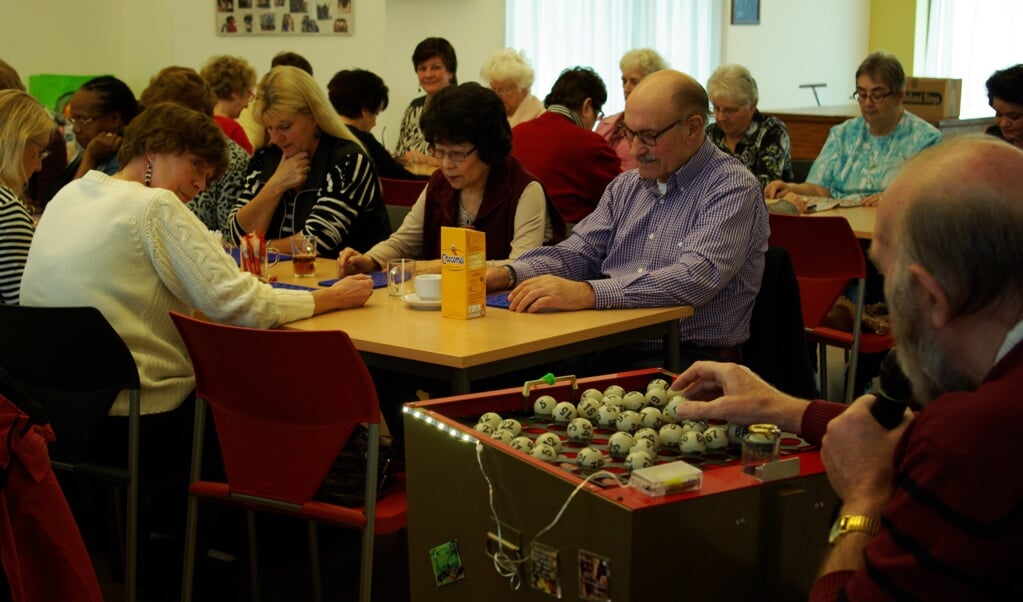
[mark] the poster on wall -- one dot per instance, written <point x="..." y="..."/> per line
<point x="285" y="17"/>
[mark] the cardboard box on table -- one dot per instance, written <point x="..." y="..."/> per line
<point x="933" y="98"/>
<point x="735" y="538"/>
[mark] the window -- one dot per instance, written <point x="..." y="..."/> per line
<point x="596" y="33"/>
<point x="971" y="40"/>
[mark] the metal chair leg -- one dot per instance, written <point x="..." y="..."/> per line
<point x="314" y="561"/>
<point x="250" y="523"/>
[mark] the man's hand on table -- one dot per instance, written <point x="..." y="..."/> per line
<point x="550" y="293"/>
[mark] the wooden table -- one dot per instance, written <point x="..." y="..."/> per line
<point x="392" y="335"/>
<point x="860" y="218"/>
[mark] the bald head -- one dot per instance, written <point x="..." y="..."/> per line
<point x="957" y="210"/>
<point x="669" y="109"/>
<point x="684" y="94"/>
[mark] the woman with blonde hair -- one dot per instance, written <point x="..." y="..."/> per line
<point x="231" y="80"/>
<point x="311" y="176"/>
<point x="25" y="131"/>
<point x="510" y="75"/>
<point x="636" y="64"/>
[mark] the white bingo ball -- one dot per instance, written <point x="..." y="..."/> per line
<point x="735" y="433"/>
<point x="638" y="459"/>
<point x="590" y="457"/>
<point x="589" y="408"/>
<point x="693" y="425"/>
<point x="484" y="427"/>
<point x="651" y="417"/>
<point x="628" y="421"/>
<point x="544" y="405"/>
<point x="544" y="452"/>
<point x="503" y="435"/>
<point x="522" y="443"/>
<point x="592" y="394"/>
<point x="564" y="411"/>
<point x="643" y="445"/>
<point x="619" y="443"/>
<point x="715" y="437"/>
<point x="608" y="415"/>
<point x="650" y="435"/>
<point x="580" y="429"/>
<point x="492" y="418"/>
<point x="692" y="442"/>
<point x="634" y="400"/>
<point x="614" y="390"/>
<point x="658" y="383"/>
<point x="656" y="397"/>
<point x="670" y="409"/>
<point x="670" y="434"/>
<point x="550" y="439"/>
<point x="613" y="400"/>
<point x="510" y="424"/>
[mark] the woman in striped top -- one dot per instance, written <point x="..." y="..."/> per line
<point x="25" y="130"/>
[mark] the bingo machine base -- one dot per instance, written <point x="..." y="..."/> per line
<point x="735" y="538"/>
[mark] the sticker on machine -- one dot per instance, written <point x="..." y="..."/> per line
<point x="594" y="577"/>
<point x="447" y="563"/>
<point x="543" y="570"/>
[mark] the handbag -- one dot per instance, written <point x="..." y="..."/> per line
<point x="345" y="483"/>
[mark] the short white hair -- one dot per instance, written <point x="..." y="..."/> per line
<point x="733" y="82"/>
<point x="508" y="64"/>
<point x="645" y="59"/>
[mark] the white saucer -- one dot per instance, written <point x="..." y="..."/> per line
<point x="416" y="303"/>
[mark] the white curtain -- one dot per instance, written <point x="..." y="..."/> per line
<point x="556" y="34"/>
<point x="971" y="39"/>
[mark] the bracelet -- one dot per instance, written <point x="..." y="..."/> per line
<point x="512" y="276"/>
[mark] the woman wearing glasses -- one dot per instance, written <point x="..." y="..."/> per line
<point x="313" y="176"/>
<point x="25" y="130"/>
<point x="479" y="185"/>
<point x="99" y="112"/>
<point x="861" y="155"/>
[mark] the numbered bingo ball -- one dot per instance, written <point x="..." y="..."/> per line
<point x="613" y="400"/>
<point x="715" y="437"/>
<point x="544" y="405"/>
<point x="656" y="397"/>
<point x="628" y="421"/>
<point x="651" y="418"/>
<point x="522" y="443"/>
<point x="580" y="429"/>
<point x="693" y="425"/>
<point x="634" y="400"/>
<point x="614" y="390"/>
<point x="608" y="415"/>
<point x="590" y="457"/>
<point x="735" y="433"/>
<point x="643" y="445"/>
<point x="491" y="418"/>
<point x="544" y="452"/>
<point x="510" y="424"/>
<point x="692" y="442"/>
<point x="550" y="439"/>
<point x="650" y="435"/>
<point x="669" y="409"/>
<point x="638" y="459"/>
<point x="484" y="427"/>
<point x="670" y="434"/>
<point x="503" y="435"/>
<point x="588" y="408"/>
<point x="619" y="443"/>
<point x="658" y="383"/>
<point x="564" y="412"/>
<point x="592" y="394"/>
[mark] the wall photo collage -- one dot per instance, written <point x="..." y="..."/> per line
<point x="285" y="17"/>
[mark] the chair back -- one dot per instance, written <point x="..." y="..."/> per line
<point x="71" y="362"/>
<point x="825" y="255"/>
<point x="401" y="192"/>
<point x="284" y="402"/>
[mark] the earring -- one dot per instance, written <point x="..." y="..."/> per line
<point x="316" y="133"/>
<point x="149" y="172"/>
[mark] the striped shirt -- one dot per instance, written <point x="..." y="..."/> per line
<point x="700" y="242"/>
<point x="16" y="231"/>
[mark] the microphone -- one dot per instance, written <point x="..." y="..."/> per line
<point x="893" y="393"/>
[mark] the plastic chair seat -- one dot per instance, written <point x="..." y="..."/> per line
<point x="869" y="342"/>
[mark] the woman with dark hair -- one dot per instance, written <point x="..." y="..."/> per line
<point x="436" y="67"/>
<point x="98" y="113"/>
<point x="312" y="176"/>
<point x="359" y="96"/>
<point x="479" y="185"/>
<point x="1005" y="95"/>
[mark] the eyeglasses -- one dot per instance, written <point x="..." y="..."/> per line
<point x="80" y="121"/>
<point x="875" y="96"/>
<point x="43" y="153"/>
<point x="647" y="137"/>
<point x="455" y="156"/>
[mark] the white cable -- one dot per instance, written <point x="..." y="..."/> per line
<point x="578" y="488"/>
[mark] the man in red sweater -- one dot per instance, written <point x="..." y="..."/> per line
<point x="932" y="509"/>
<point x="559" y="147"/>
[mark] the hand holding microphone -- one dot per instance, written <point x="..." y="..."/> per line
<point x="894" y="393"/>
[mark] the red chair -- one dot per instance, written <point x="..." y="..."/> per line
<point x="827" y="256"/>
<point x="399" y="196"/>
<point x="281" y="422"/>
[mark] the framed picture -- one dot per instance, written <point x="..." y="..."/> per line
<point x="285" y="17"/>
<point x="745" y="12"/>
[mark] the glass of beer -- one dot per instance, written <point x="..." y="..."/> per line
<point x="303" y="254"/>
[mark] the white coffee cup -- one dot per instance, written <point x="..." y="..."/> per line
<point x="428" y="287"/>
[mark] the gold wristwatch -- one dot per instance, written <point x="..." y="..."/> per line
<point x="854" y="522"/>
